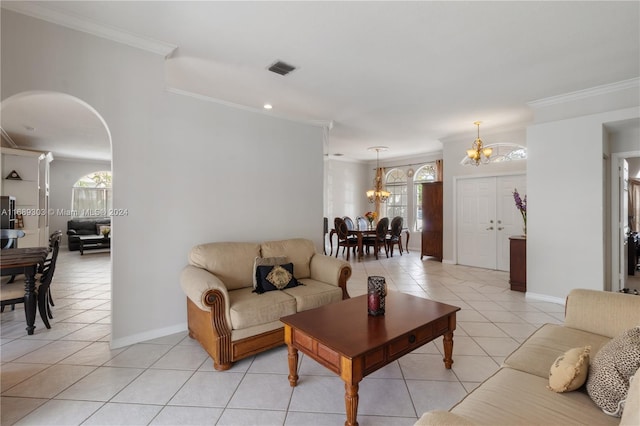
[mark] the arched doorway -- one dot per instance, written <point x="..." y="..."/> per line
<point x="69" y="128"/>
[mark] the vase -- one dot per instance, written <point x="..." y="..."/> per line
<point x="376" y="293"/>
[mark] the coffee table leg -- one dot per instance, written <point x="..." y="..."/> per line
<point x="448" y="349"/>
<point x="293" y="365"/>
<point x="351" y="403"/>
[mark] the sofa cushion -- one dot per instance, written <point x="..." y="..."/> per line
<point x="512" y="397"/>
<point x="611" y="369"/>
<point x="248" y="309"/>
<point x="275" y="277"/>
<point x="259" y="261"/>
<point x="231" y="262"/>
<point x="569" y="370"/>
<point x="313" y="294"/>
<point x="87" y="226"/>
<point x="298" y="251"/>
<point x="540" y="350"/>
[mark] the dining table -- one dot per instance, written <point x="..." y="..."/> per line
<point x="360" y="234"/>
<point x="25" y="261"/>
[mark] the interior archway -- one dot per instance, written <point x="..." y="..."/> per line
<point x="72" y="130"/>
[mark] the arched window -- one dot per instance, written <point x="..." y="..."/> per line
<point x="502" y="152"/>
<point x="91" y="195"/>
<point x="426" y="173"/>
<point x="396" y="184"/>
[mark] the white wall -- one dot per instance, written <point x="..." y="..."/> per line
<point x="187" y="171"/>
<point x="566" y="212"/>
<point x="345" y="185"/>
<point x="63" y="174"/>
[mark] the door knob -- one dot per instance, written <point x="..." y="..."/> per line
<point x="490" y="228"/>
<point x="500" y="228"/>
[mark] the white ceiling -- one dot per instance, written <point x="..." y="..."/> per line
<point x="401" y="74"/>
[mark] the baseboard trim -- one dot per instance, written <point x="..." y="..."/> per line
<point x="545" y="298"/>
<point x="147" y="335"/>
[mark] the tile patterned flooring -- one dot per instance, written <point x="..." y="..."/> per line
<point x="68" y="375"/>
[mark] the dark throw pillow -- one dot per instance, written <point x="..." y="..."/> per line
<point x="274" y="277"/>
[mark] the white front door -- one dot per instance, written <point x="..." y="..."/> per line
<point x="486" y="218"/>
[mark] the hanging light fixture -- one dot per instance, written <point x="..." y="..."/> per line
<point x="377" y="193"/>
<point x="478" y="153"/>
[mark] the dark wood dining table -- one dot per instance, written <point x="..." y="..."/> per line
<point x="360" y="234"/>
<point x="25" y="261"/>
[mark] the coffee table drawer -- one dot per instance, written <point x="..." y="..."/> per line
<point x="417" y="338"/>
<point x="321" y="353"/>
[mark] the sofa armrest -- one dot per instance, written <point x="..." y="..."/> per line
<point x="602" y="312"/>
<point x="442" y="418"/>
<point x="202" y="287"/>
<point x="71" y="232"/>
<point x="330" y="270"/>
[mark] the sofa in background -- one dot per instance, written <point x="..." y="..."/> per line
<point x="84" y="226"/>
<point x="517" y="393"/>
<point x="229" y="319"/>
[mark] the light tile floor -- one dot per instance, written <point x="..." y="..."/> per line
<point x="68" y="375"/>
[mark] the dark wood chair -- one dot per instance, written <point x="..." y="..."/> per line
<point x="344" y="239"/>
<point x="380" y="239"/>
<point x="55" y="236"/>
<point x="362" y="223"/>
<point x="350" y="225"/>
<point x="12" y="293"/>
<point x="395" y="236"/>
<point x="9" y="238"/>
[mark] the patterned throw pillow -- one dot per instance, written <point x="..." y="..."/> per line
<point x="569" y="371"/>
<point x="613" y="365"/>
<point x="270" y="261"/>
<point x="277" y="277"/>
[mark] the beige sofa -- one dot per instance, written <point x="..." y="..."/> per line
<point x="231" y="321"/>
<point x="517" y="393"/>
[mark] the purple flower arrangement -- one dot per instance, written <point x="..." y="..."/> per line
<point x="521" y="205"/>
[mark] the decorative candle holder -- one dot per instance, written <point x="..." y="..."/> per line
<point x="376" y="293"/>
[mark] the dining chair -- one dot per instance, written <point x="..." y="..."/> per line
<point x="55" y="236"/>
<point x="350" y="225"/>
<point x="395" y="236"/>
<point x="380" y="239"/>
<point x="362" y="223"/>
<point x="344" y="239"/>
<point x="45" y="300"/>
<point x="9" y="238"/>
<point x="12" y="293"/>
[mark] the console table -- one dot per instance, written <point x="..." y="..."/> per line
<point x="518" y="263"/>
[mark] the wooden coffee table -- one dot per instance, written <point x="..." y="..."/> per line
<point x="345" y="339"/>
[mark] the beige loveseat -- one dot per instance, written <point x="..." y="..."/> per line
<point x="517" y="393"/>
<point x="229" y="319"/>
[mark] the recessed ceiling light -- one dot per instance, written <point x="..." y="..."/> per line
<point x="268" y="106"/>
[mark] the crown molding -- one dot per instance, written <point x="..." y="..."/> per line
<point x="586" y="93"/>
<point x="90" y="27"/>
<point x="316" y="123"/>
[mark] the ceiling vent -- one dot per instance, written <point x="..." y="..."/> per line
<point x="281" y="68"/>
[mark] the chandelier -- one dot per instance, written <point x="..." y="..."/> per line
<point x="377" y="193"/>
<point x="478" y="153"/>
